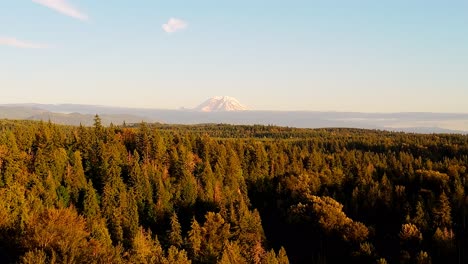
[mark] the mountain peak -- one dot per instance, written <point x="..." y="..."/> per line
<point x="221" y="104"/>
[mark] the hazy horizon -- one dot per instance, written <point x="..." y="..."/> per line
<point x="368" y="57"/>
<point x="194" y="108"/>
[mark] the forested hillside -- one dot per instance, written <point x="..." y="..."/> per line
<point x="230" y="194"/>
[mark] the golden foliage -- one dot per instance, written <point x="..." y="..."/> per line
<point x="58" y="230"/>
<point x="410" y="232"/>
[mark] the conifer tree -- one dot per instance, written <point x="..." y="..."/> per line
<point x="194" y="239"/>
<point x="442" y="212"/>
<point x="231" y="254"/>
<point x="175" y="233"/>
<point x="282" y="256"/>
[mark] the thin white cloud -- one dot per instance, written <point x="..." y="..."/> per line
<point x="174" y="25"/>
<point x="62" y="6"/>
<point x="13" y="42"/>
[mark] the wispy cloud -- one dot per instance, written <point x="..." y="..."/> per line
<point x="62" y="6"/>
<point x="13" y="42"/>
<point x="174" y="25"/>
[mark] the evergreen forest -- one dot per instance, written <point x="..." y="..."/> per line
<point x="155" y="193"/>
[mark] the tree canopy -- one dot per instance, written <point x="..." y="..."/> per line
<point x="153" y="193"/>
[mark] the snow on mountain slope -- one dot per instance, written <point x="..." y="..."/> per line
<point x="221" y="104"/>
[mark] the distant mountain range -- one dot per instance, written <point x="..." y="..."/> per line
<point x="223" y="111"/>
<point x="86" y="118"/>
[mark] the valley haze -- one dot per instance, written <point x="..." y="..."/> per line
<point x="76" y="114"/>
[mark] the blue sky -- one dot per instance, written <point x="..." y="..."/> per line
<point x="368" y="56"/>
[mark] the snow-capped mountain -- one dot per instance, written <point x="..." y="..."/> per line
<point x="221" y="104"/>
